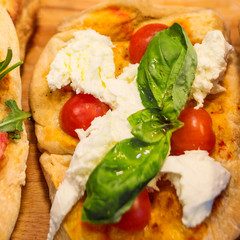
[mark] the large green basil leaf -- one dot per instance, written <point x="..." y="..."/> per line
<point x="120" y="177"/>
<point x="166" y="71"/>
<point x="165" y="76"/>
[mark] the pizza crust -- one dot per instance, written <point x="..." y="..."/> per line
<point x="224" y="222"/>
<point x="23" y="14"/>
<point x="46" y="104"/>
<point x="13" y="164"/>
<point x="25" y="24"/>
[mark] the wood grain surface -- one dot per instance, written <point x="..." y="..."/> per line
<point x="33" y="219"/>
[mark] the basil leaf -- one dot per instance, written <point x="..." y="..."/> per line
<point x="13" y="122"/>
<point x="145" y="115"/>
<point x="121" y="176"/>
<point x="150" y="126"/>
<point x="165" y="76"/>
<point x="166" y="71"/>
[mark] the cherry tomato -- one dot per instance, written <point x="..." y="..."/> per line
<point x="196" y="133"/>
<point x="79" y="111"/>
<point x="140" y="40"/>
<point x="138" y="216"/>
<point x="3" y="143"/>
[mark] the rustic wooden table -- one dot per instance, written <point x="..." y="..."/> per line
<point x="33" y="219"/>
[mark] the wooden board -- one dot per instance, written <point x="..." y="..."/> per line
<point x="33" y="219"/>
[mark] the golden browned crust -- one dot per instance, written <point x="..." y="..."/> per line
<point x="224" y="222"/>
<point x="13" y="7"/>
<point x="25" y="24"/>
<point x="46" y="104"/>
<point x="23" y="14"/>
<point x="13" y="164"/>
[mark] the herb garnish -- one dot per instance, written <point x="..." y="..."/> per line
<point x="165" y="76"/>
<point x="12" y="124"/>
<point x="3" y="65"/>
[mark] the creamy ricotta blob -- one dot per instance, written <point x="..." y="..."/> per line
<point x="198" y="180"/>
<point x="212" y="55"/>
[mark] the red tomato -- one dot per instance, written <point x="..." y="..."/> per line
<point x="79" y="111"/>
<point x="196" y="133"/>
<point x="140" y="40"/>
<point x="3" y="143"/>
<point x="138" y="216"/>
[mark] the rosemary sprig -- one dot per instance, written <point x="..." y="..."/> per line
<point x="4" y="64"/>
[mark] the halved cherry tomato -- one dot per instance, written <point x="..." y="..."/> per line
<point x="138" y="216"/>
<point x="140" y="40"/>
<point x="3" y="143"/>
<point x="196" y="133"/>
<point x="79" y="111"/>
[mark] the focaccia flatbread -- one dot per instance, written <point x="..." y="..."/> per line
<point x="23" y="14"/>
<point x="13" y="163"/>
<point x="118" y="20"/>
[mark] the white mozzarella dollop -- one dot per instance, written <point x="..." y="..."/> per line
<point x="99" y="138"/>
<point x="198" y="180"/>
<point x="212" y="55"/>
<point x="86" y="63"/>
